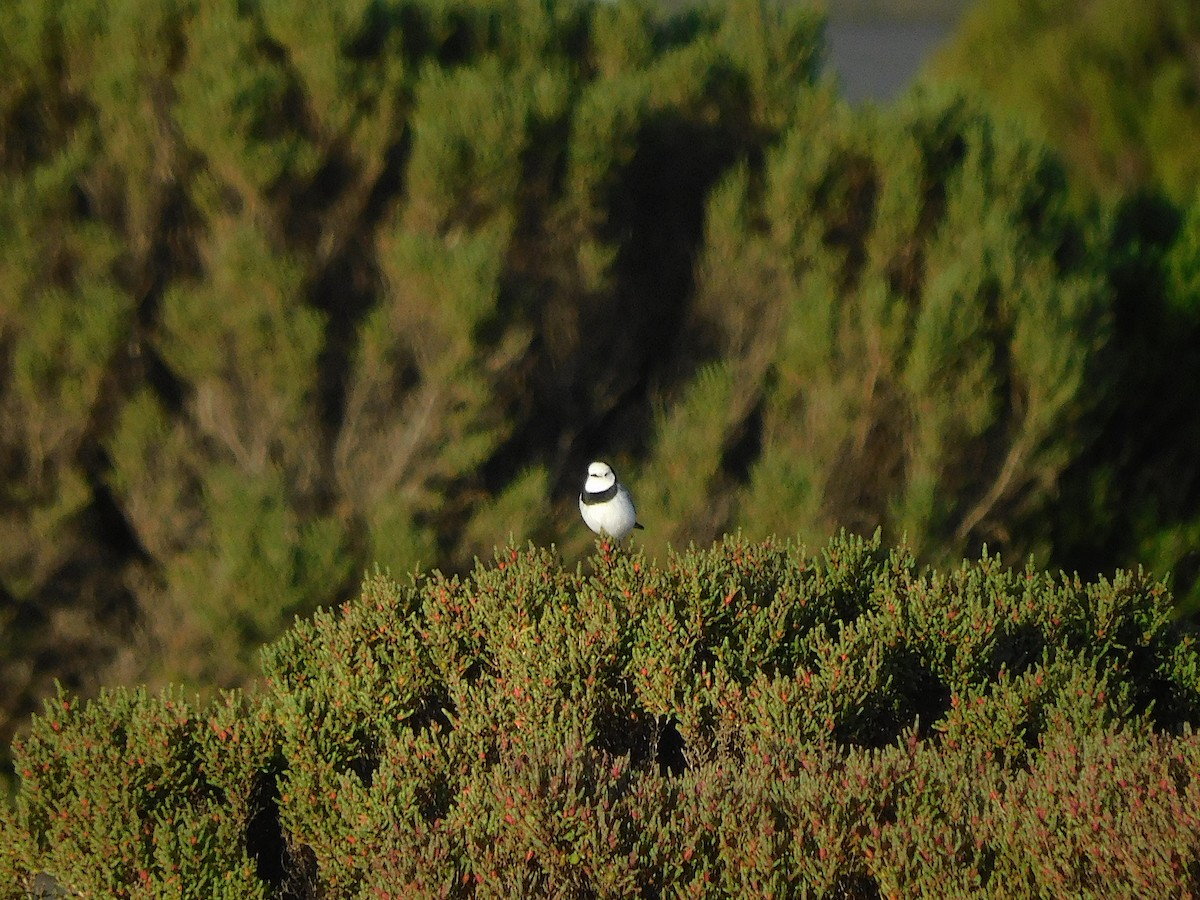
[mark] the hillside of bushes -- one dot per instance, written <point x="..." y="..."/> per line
<point x="1114" y="90"/>
<point x="748" y="720"/>
<point x="290" y="289"/>
<point x="1112" y="87"/>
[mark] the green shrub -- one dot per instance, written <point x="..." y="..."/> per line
<point x="1110" y="92"/>
<point x="132" y="795"/>
<point x="740" y="721"/>
<point x="896" y="306"/>
<point x="290" y="288"/>
<point x="1112" y="89"/>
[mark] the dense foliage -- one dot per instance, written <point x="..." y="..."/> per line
<point x="292" y="288"/>
<point x="743" y="721"/>
<point x="1114" y="89"/>
<point x="1113" y="86"/>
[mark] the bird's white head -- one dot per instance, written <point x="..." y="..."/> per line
<point x="600" y="477"/>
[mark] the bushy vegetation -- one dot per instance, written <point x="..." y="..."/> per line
<point x="290" y="289"/>
<point x="1111" y="85"/>
<point x="746" y="720"/>
<point x="905" y="327"/>
<point x="1113" y="89"/>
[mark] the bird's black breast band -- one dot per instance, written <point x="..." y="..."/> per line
<point x="592" y="498"/>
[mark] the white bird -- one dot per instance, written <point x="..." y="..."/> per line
<point x="605" y="504"/>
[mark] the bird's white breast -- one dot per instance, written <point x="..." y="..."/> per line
<point x="615" y="517"/>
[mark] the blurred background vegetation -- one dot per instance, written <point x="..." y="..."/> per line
<point x="291" y="288"/>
